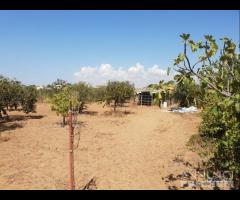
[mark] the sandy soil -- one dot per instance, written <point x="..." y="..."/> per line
<point x="133" y="149"/>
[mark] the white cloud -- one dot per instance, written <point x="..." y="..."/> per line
<point x="155" y="70"/>
<point x="136" y="69"/>
<point x="136" y="74"/>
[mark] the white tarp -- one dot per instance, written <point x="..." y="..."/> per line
<point x="185" y="110"/>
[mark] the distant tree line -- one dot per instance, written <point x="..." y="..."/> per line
<point x="60" y="93"/>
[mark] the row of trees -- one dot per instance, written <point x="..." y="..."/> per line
<point x="60" y="94"/>
<point x="218" y="93"/>
<point x="15" y="95"/>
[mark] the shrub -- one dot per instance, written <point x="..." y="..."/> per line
<point x="220" y="92"/>
<point x="221" y="121"/>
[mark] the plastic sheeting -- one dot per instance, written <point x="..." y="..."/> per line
<point x="185" y="110"/>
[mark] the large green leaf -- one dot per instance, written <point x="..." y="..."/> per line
<point x="185" y="36"/>
<point x="179" y="59"/>
<point x="209" y="38"/>
<point x="193" y="46"/>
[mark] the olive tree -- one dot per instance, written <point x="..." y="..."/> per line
<point x="118" y="92"/>
<point x="14" y="95"/>
<point x="83" y="93"/>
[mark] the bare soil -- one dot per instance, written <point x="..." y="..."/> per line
<point x="135" y="148"/>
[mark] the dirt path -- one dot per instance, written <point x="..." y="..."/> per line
<point x="131" y="151"/>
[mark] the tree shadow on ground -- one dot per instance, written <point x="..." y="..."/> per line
<point x="77" y="124"/>
<point x="117" y="113"/>
<point x="92" y="113"/>
<point x="11" y="122"/>
<point x="127" y="112"/>
<point x="13" y="118"/>
<point x="9" y="127"/>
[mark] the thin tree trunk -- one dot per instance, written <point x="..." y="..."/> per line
<point x="79" y="109"/>
<point x="64" y="120"/>
<point x="115" y="105"/>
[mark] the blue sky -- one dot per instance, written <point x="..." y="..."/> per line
<point x="37" y="47"/>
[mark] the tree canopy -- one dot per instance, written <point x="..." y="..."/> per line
<point x="118" y="92"/>
<point x="15" y="95"/>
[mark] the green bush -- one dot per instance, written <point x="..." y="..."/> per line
<point x="219" y="93"/>
<point x="156" y="99"/>
<point x="221" y="121"/>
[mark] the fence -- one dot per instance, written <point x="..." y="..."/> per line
<point x="145" y="98"/>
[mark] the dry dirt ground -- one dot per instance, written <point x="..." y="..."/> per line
<point x="133" y="149"/>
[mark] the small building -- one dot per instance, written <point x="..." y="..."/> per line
<point x="145" y="98"/>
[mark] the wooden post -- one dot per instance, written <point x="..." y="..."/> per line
<point x="71" y="155"/>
